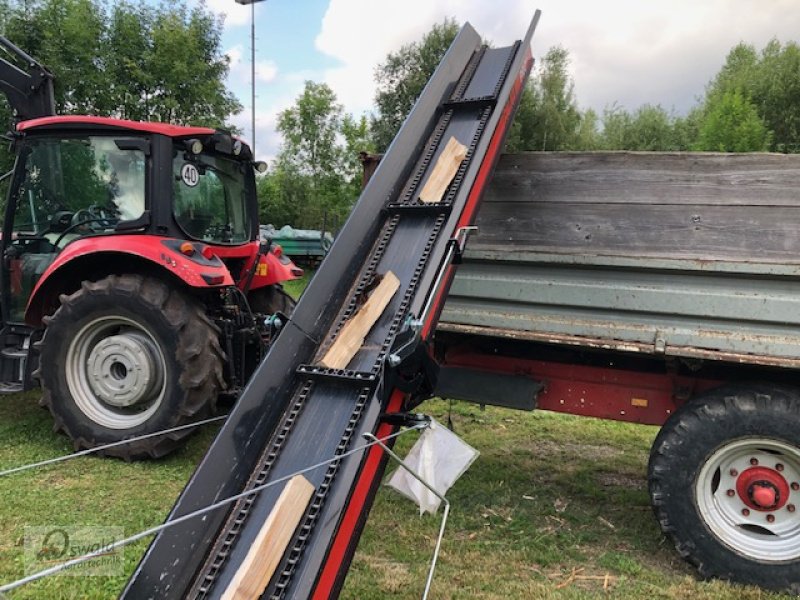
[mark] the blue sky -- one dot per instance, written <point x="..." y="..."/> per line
<point x="627" y="52"/>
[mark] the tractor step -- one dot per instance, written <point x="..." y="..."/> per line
<point x="14" y="353"/>
<point x="10" y="387"/>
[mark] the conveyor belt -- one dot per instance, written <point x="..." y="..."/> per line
<point x="294" y="413"/>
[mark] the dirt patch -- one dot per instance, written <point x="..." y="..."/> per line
<point x="395" y="576"/>
<point x="631" y="482"/>
<point x="550" y="448"/>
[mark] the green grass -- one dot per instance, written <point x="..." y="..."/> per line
<point x="553" y="505"/>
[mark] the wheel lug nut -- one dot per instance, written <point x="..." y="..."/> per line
<point x="795" y="486"/>
<point x="770" y="518"/>
<point x="779" y="467"/>
<point x="734" y="472"/>
<point x="731" y="493"/>
<point x="790" y="507"/>
<point x="746" y="512"/>
<point x="754" y="461"/>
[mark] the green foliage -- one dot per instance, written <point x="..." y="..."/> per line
<point x="548" y="117"/>
<point x="134" y="61"/>
<point x="317" y="175"/>
<point x="732" y="124"/>
<point x="649" y="128"/>
<point x="769" y="81"/>
<point x="401" y="78"/>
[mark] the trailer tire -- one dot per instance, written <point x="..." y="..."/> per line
<point x="271" y="299"/>
<point x="724" y="476"/>
<point x="126" y="356"/>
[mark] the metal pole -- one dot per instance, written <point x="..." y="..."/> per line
<point x="445" y="513"/>
<point x="253" y="74"/>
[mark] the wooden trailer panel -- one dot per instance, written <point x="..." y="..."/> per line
<point x="688" y="254"/>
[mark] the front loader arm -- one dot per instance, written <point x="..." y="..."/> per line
<point x="29" y="92"/>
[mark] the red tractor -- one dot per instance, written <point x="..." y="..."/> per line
<point x="135" y="286"/>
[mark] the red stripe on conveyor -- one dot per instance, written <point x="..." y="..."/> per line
<point x="340" y="551"/>
<point x="485" y="172"/>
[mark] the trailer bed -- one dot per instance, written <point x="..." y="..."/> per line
<point x="679" y="254"/>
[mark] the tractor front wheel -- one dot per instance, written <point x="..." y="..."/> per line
<point x="127" y="356"/>
<point x="725" y="484"/>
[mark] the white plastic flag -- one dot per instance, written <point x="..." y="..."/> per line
<point x="440" y="457"/>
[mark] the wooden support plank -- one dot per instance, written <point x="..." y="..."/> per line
<point x="267" y="550"/>
<point x="443" y="172"/>
<point x="351" y="338"/>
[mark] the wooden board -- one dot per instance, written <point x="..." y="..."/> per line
<point x="757" y="179"/>
<point x="443" y="171"/>
<point x="696" y="206"/>
<point x="351" y="338"/>
<point x="267" y="550"/>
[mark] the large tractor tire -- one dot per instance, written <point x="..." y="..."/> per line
<point x="725" y="484"/>
<point x="271" y="299"/>
<point x="126" y="356"/>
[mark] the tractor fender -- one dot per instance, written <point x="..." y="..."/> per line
<point x="98" y="256"/>
<point x="274" y="268"/>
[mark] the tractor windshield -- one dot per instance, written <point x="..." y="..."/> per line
<point x="210" y="195"/>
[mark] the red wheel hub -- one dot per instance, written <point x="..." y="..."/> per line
<point x="762" y="488"/>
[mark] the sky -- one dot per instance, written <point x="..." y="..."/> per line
<point x="623" y="52"/>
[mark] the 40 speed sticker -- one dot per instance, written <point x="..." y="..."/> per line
<point x="190" y="175"/>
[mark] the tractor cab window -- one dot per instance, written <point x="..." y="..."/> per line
<point x="66" y="189"/>
<point x="210" y="199"/>
<point x="77" y="186"/>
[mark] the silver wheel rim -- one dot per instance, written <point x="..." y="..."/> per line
<point x="115" y="372"/>
<point x="747" y="494"/>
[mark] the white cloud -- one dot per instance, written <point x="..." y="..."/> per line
<point x="235" y="14"/>
<point x="627" y="51"/>
<point x="235" y="56"/>
<point x="266" y="70"/>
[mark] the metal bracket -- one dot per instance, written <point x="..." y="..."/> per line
<point x="409" y="365"/>
<point x="445" y="514"/>
<point x="455" y="250"/>
<point x="660" y="343"/>
<point x="404" y="419"/>
<point x="460" y="241"/>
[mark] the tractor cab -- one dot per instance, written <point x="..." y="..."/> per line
<point x="79" y="179"/>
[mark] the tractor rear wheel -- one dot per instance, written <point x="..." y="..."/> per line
<point x="725" y="484"/>
<point x="270" y="299"/>
<point x="126" y="356"/>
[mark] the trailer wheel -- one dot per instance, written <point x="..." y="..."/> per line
<point x="270" y="299"/>
<point x="126" y="356"/>
<point x="724" y="480"/>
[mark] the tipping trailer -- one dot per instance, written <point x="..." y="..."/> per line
<point x="295" y="412"/>
<point x="654" y="288"/>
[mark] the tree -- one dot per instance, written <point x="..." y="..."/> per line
<point x="136" y="61"/>
<point x="732" y="124"/>
<point x="770" y="82"/>
<point x="548" y="117"/>
<point x="316" y="177"/>
<point x="128" y="52"/>
<point x="188" y="68"/>
<point x="401" y="78"/>
<point x="649" y="128"/>
<point x="67" y="37"/>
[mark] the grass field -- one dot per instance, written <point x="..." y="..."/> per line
<point x="555" y="507"/>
